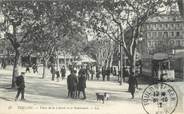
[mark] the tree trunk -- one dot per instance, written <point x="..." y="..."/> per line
<point x="132" y="65"/>
<point x="57" y="61"/>
<point x="65" y="59"/>
<point x="44" y="67"/>
<point x="111" y="60"/>
<point x="15" y="67"/>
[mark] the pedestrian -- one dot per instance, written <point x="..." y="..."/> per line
<point x="97" y="73"/>
<point x="92" y="72"/>
<point x="72" y="84"/>
<point x="87" y="71"/>
<point x="3" y="65"/>
<point x="63" y="72"/>
<point x="75" y="84"/>
<point x="20" y="83"/>
<point x="108" y="73"/>
<point x="35" y="68"/>
<point x="82" y="85"/>
<point x="132" y="84"/>
<point x="53" y="72"/>
<point x="57" y="75"/>
<point x="69" y="84"/>
<point x="82" y="70"/>
<point x="27" y="68"/>
<point x="103" y="73"/>
<point x="115" y="72"/>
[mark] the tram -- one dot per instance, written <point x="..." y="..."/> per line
<point x="159" y="67"/>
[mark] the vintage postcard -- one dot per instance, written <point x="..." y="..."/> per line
<point x="91" y="56"/>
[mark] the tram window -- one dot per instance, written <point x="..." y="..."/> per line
<point x="164" y="66"/>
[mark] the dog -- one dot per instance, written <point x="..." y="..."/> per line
<point x="102" y="97"/>
<point x="107" y="96"/>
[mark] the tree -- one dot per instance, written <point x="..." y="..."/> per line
<point x="101" y="50"/>
<point x="121" y="21"/>
<point x="18" y="24"/>
<point x="59" y="29"/>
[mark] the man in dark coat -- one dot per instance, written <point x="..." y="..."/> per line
<point x="82" y="70"/>
<point x="20" y="86"/>
<point x="72" y="84"/>
<point x="35" y="68"/>
<point x="82" y="85"/>
<point x="132" y="84"/>
<point x="58" y="75"/>
<point x="92" y="72"/>
<point x="108" y="72"/>
<point x="53" y="72"/>
<point x="63" y="72"/>
<point x="103" y="73"/>
<point x="69" y="85"/>
<point x="97" y="73"/>
<point x="75" y="83"/>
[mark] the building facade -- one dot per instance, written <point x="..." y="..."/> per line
<point x="164" y="33"/>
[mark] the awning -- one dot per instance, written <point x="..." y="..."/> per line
<point x="86" y="59"/>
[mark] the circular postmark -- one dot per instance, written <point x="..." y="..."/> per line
<point x="159" y="98"/>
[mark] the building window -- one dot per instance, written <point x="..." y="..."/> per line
<point x="151" y="26"/>
<point x="149" y="34"/>
<point x="172" y="25"/>
<point x="149" y="44"/>
<point x="166" y="25"/>
<point x="148" y="26"/>
<point x="155" y="34"/>
<point x="1" y="51"/>
<point x="178" y="26"/>
<point x="177" y="33"/>
<point x="172" y="33"/>
<point x="155" y="25"/>
<point x="160" y="34"/>
<point x="165" y="34"/>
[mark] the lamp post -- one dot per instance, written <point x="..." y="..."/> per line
<point x="121" y="64"/>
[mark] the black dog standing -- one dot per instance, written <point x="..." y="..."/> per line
<point x="20" y="86"/>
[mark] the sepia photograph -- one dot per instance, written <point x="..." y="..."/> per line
<point x="91" y="56"/>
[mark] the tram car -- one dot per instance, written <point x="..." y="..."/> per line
<point x="158" y="68"/>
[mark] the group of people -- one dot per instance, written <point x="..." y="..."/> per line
<point x="61" y="73"/>
<point x="76" y="84"/>
<point x="106" y="73"/>
<point x="3" y="64"/>
<point x="34" y="67"/>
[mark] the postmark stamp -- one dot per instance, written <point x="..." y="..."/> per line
<point x="160" y="98"/>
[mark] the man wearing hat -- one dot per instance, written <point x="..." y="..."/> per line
<point x="82" y="85"/>
<point x="20" y="86"/>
